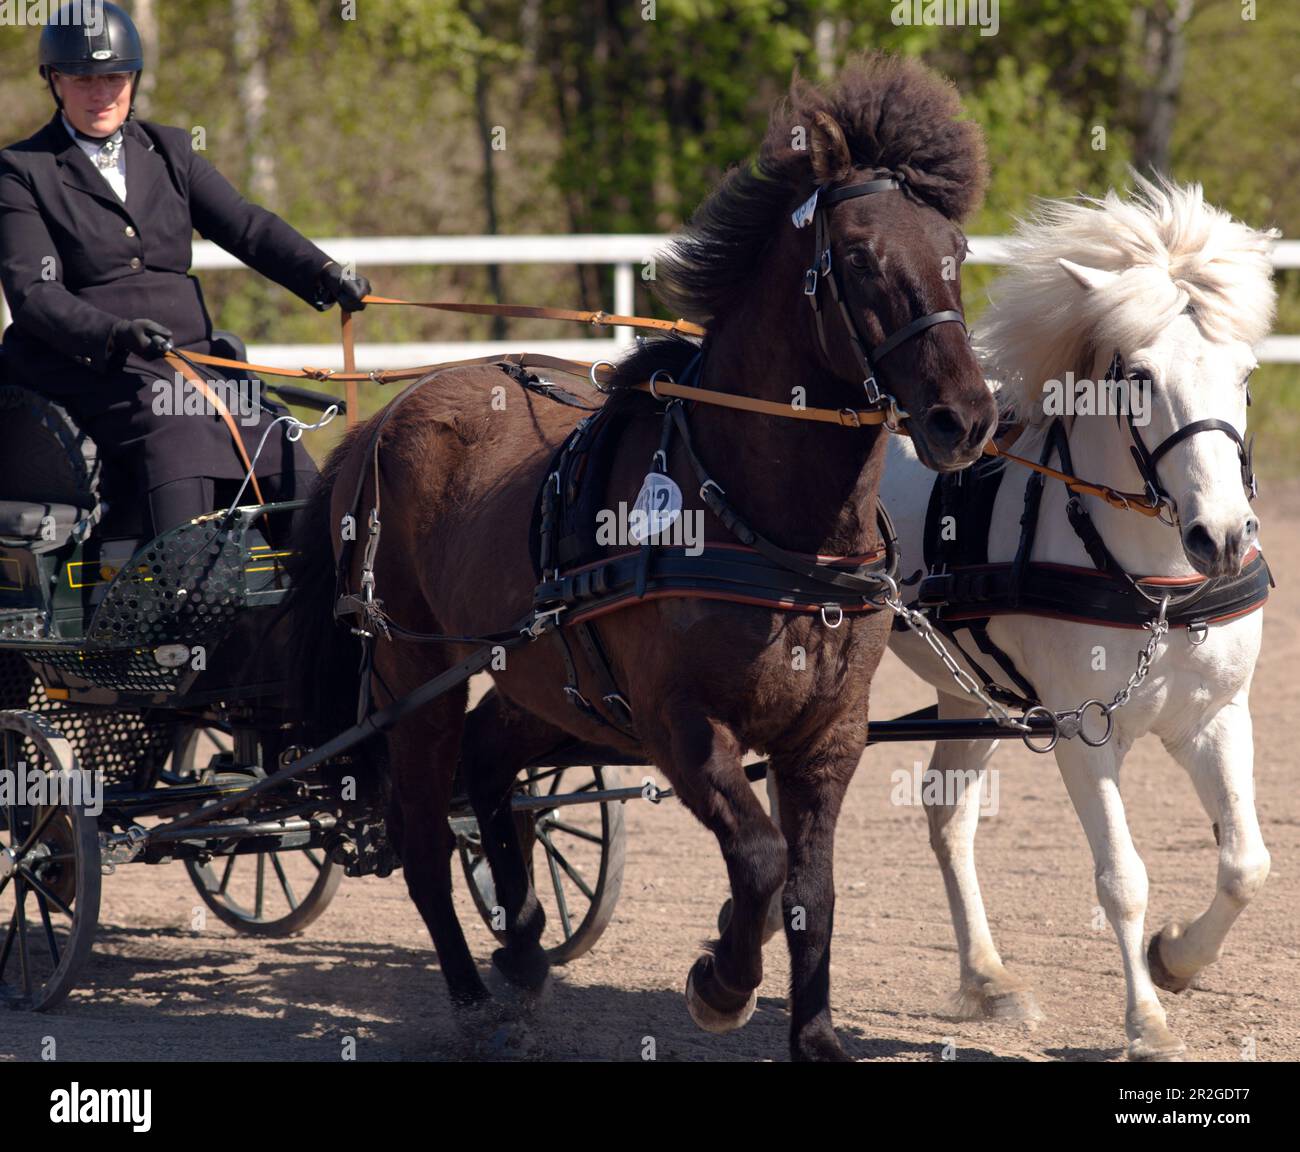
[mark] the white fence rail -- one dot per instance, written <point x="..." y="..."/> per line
<point x="631" y="256"/>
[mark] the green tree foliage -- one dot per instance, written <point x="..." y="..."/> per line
<point x="620" y="115"/>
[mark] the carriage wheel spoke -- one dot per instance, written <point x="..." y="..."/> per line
<point x="49" y="928"/>
<point x="561" y="903"/>
<point x="20" y="894"/>
<point x="35" y="833"/>
<point x="580" y="833"/>
<point x="261" y="886"/>
<point x="42" y="891"/>
<point x="574" y="874"/>
<point x="555" y="783"/>
<point x="225" y="875"/>
<point x="9" y="942"/>
<point x="284" y="881"/>
<point x="317" y="862"/>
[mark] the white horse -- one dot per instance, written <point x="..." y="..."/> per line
<point x="1182" y="292"/>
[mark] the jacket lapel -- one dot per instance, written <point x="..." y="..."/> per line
<point x="75" y="168"/>
<point x="144" y="166"/>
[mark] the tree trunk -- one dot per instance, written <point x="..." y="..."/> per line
<point x="498" y="327"/>
<point x="1164" y="48"/>
<point x="146" y="22"/>
<point x="250" y="70"/>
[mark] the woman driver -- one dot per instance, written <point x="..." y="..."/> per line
<point x="97" y="212"/>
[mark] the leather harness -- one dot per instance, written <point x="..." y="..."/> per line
<point x="576" y="577"/>
<point x="962" y="591"/>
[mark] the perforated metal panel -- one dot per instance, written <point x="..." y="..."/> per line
<point x="186" y="588"/>
<point x="124" y="744"/>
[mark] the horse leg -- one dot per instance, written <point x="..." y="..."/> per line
<point x="951" y="793"/>
<point x="422" y="753"/>
<point x="499" y="740"/>
<point x="1091" y="777"/>
<point x="810" y="790"/>
<point x="704" y="766"/>
<point x="1220" y="758"/>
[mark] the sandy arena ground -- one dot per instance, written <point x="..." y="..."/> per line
<point x="155" y="989"/>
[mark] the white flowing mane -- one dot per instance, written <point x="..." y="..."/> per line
<point x="1176" y="253"/>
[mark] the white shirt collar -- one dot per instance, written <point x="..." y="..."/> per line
<point x="116" y="174"/>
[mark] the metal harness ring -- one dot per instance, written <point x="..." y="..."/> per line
<point x="1110" y="723"/>
<point x="596" y="384"/>
<point x="654" y="376"/>
<point x="1039" y="710"/>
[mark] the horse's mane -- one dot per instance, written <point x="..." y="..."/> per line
<point x="894" y="113"/>
<point x="1177" y="254"/>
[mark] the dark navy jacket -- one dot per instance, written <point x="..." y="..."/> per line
<point x="74" y="259"/>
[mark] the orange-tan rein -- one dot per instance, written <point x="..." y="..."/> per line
<point x="845" y="417"/>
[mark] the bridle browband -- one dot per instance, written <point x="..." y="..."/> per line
<point x="815" y="209"/>
<point x="1147" y="459"/>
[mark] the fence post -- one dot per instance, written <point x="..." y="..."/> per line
<point x="624" y="300"/>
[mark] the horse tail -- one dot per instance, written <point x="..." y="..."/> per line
<point x="325" y="668"/>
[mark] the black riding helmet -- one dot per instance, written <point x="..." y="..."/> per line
<point x="79" y="47"/>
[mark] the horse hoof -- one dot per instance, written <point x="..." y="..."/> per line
<point x="518" y="985"/>
<point x="822" y="1047"/>
<point x="1160" y="975"/>
<point x="1163" y="1048"/>
<point x="704" y="1014"/>
<point x="1014" y="1006"/>
<point x="1001" y="1001"/>
<point x="527" y="969"/>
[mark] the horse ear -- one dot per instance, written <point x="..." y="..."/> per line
<point x="830" y="151"/>
<point x="1087" y="278"/>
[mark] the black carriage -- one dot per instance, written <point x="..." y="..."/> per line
<point x="139" y="689"/>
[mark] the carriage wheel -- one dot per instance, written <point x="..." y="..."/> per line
<point x="580" y="850"/>
<point x="49" y="869"/>
<point x="258" y="893"/>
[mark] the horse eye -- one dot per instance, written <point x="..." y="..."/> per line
<point x="859" y="259"/>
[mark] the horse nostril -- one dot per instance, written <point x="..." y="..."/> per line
<point x="1250" y="530"/>
<point x="1199" y="543"/>
<point x="946" y="424"/>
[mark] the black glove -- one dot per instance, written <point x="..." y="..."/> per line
<point x="336" y="286"/>
<point x="145" y="338"/>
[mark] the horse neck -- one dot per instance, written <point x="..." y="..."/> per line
<point x="1142" y="544"/>
<point x="805" y="485"/>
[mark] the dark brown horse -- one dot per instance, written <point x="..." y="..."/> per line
<point x="706" y="680"/>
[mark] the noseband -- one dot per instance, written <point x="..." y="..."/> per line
<point x="1146" y="461"/>
<point x="815" y="210"/>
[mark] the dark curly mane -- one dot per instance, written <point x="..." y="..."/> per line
<point x="894" y="112"/>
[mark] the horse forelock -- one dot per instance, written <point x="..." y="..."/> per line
<point x="894" y="113"/>
<point x="1174" y="253"/>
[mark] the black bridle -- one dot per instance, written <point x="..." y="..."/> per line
<point x="822" y="269"/>
<point x="1146" y="460"/>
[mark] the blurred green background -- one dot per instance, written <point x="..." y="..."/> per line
<point x="375" y="118"/>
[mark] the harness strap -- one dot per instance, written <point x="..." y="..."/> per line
<point x="212" y="398"/>
<point x="527" y="311"/>
<point x="714" y="497"/>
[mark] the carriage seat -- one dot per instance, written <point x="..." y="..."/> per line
<point x="49" y="472"/>
<point x="53" y="486"/>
